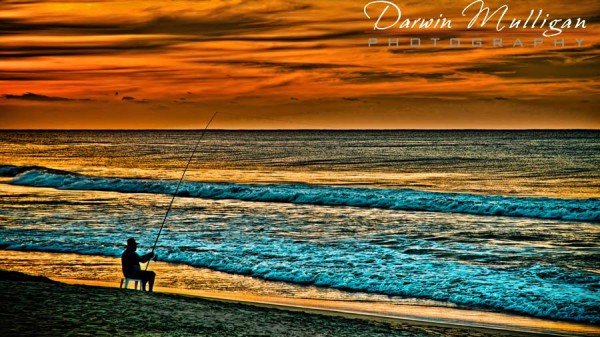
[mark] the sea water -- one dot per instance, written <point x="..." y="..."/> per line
<point x="499" y="220"/>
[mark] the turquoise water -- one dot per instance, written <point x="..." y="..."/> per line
<point x="506" y="221"/>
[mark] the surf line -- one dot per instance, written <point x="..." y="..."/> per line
<point x="162" y="225"/>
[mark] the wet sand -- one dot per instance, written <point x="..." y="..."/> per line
<point x="336" y="313"/>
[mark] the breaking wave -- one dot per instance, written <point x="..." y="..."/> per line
<point x="395" y="199"/>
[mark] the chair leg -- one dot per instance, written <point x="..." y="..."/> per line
<point x="136" y="285"/>
<point x="121" y="285"/>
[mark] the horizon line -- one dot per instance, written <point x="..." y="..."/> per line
<point x="303" y="129"/>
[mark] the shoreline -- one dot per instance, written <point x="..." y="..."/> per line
<point x="38" y="306"/>
<point x="330" y="302"/>
<point x="448" y="318"/>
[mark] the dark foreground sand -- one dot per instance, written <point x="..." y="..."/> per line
<point x="32" y="305"/>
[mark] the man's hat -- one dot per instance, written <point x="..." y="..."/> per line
<point x="131" y="242"/>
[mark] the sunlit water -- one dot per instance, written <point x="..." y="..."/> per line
<point x="506" y="221"/>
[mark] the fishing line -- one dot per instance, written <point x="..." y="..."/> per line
<point x="179" y="184"/>
<point x="192" y="156"/>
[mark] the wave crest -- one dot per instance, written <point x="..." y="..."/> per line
<point x="394" y="199"/>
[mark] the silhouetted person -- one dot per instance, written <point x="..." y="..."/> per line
<point x="130" y="261"/>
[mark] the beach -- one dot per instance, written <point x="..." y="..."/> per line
<point x="33" y="307"/>
<point x="38" y="306"/>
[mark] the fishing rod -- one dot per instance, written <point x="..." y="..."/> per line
<point x="179" y="184"/>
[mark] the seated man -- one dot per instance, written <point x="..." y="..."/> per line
<point x="130" y="261"/>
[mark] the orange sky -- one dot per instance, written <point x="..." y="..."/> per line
<point x="286" y="64"/>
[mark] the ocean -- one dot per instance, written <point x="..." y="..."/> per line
<point x="507" y="221"/>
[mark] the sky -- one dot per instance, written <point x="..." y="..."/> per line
<point x="289" y="64"/>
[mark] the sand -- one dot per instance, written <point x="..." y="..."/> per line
<point x="41" y="307"/>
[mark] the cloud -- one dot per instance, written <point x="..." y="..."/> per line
<point x="23" y="76"/>
<point x="172" y="29"/>
<point x="540" y="66"/>
<point x="283" y="66"/>
<point x="19" y="26"/>
<point x="100" y="48"/>
<point x="135" y="100"/>
<point x="29" y="96"/>
<point x="424" y="50"/>
<point x="173" y="25"/>
<point x="333" y="35"/>
<point x="386" y="76"/>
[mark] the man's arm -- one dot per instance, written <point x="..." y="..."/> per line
<point x="146" y="258"/>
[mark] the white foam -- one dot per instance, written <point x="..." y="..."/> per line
<point x="400" y="199"/>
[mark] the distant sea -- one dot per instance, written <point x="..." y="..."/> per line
<point x="500" y="220"/>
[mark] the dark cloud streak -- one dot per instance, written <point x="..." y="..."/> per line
<point x="7" y="52"/>
<point x="541" y="66"/>
<point x="386" y="76"/>
<point x="29" y="96"/>
<point x="283" y="66"/>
